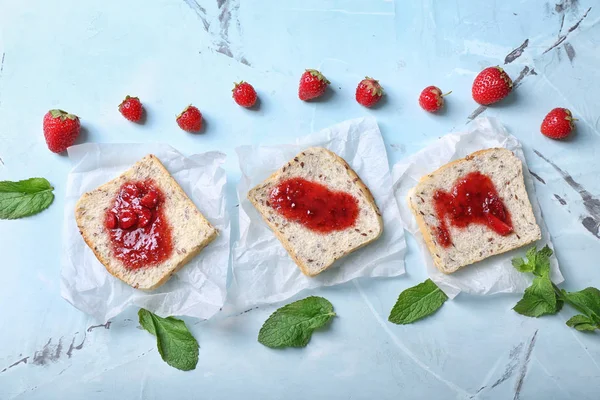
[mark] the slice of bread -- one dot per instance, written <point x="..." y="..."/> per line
<point x="190" y="231"/>
<point x="475" y="242"/>
<point x="312" y="251"/>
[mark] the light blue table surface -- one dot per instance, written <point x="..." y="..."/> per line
<point x="86" y="56"/>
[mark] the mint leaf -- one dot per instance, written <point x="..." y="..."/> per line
<point x="146" y="321"/>
<point x="582" y="323"/>
<point x="539" y="298"/>
<point x="24" y="198"/>
<point x="531" y="255"/>
<point x="292" y="325"/>
<point x="175" y="343"/>
<point x="542" y="261"/>
<point x="545" y="252"/>
<point x="417" y="302"/>
<point x="559" y="304"/>
<point x="587" y="301"/>
<point x="538" y="262"/>
<point x="521" y="265"/>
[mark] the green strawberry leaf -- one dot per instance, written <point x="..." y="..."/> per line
<point x="417" y="302"/>
<point x="539" y="299"/>
<point x="24" y="198"/>
<point x="175" y="343"/>
<point x="292" y="325"/>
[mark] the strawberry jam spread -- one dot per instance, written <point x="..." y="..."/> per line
<point x="139" y="233"/>
<point x="472" y="200"/>
<point x="313" y="205"/>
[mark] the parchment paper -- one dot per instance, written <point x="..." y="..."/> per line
<point x="199" y="288"/>
<point x="495" y="274"/>
<point x="263" y="272"/>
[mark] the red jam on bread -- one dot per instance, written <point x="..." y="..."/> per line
<point x="314" y="206"/>
<point x="139" y="233"/>
<point x="472" y="200"/>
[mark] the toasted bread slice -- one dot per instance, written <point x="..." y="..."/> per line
<point x="312" y="251"/>
<point x="475" y="242"/>
<point x="190" y="231"/>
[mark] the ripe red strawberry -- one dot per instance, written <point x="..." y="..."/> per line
<point x="131" y="108"/>
<point x="244" y="94"/>
<point x="312" y="84"/>
<point x="432" y="99"/>
<point x="127" y="218"/>
<point x="498" y="225"/>
<point x="491" y="85"/>
<point x="190" y="119"/>
<point x="558" y="124"/>
<point x="60" y="130"/>
<point x="368" y="92"/>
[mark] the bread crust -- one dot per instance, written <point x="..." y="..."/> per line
<point x="426" y="236"/>
<point x="426" y="232"/>
<point x="304" y="268"/>
<point x="106" y="261"/>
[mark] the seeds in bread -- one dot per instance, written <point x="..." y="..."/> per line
<point x="190" y="231"/>
<point x="312" y="251"/>
<point x="475" y="242"/>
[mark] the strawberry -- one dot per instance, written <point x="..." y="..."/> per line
<point x="368" y="92"/>
<point x="190" y="119"/>
<point x="127" y="218"/>
<point x="143" y="217"/>
<point x="498" y="225"/>
<point x="111" y="221"/>
<point x="244" y="94"/>
<point x="558" y="124"/>
<point x="312" y="85"/>
<point x="150" y="199"/>
<point x="491" y="85"/>
<point x="131" y="108"/>
<point x="60" y="130"/>
<point x="432" y="99"/>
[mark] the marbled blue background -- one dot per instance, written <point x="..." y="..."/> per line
<point x="85" y="56"/>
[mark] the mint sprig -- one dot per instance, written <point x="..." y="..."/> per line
<point x="543" y="297"/>
<point x="536" y="262"/>
<point x="417" y="302"/>
<point x="175" y="343"/>
<point x="539" y="299"/>
<point x="24" y="198"/>
<point x="292" y="325"/>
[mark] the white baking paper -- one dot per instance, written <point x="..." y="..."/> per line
<point x="199" y="288"/>
<point x="263" y="272"/>
<point x="495" y="274"/>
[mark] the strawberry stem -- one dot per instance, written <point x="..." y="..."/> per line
<point x="181" y="113"/>
<point x="57" y="113"/>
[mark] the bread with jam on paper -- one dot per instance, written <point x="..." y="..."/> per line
<point x="142" y="226"/>
<point x="473" y="208"/>
<point x="318" y="208"/>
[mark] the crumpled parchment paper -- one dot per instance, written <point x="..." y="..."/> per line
<point x="199" y="288"/>
<point x="263" y="272"/>
<point x="495" y="274"/>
